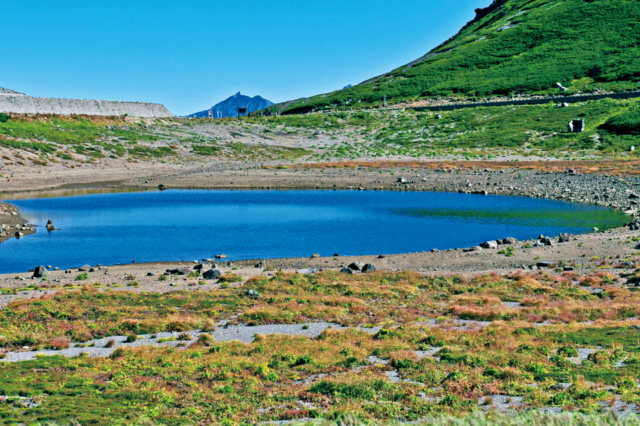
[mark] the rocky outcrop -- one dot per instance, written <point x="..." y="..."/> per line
<point x="17" y="103"/>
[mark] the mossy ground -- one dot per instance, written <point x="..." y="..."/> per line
<point x="342" y="372"/>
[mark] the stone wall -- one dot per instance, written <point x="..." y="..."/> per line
<point x="21" y="104"/>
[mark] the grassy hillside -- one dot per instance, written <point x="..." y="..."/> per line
<point x="611" y="130"/>
<point x="520" y="47"/>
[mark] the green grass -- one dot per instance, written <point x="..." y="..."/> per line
<point x="549" y="42"/>
<point x="475" y="133"/>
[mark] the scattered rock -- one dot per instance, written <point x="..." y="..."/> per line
<point x="545" y="241"/>
<point x="212" y="274"/>
<point x="315" y="256"/>
<point x="471" y="249"/>
<point x="40" y="272"/>
<point x="150" y="274"/>
<point x="356" y="266"/>
<point x="489" y="245"/>
<point x="253" y="293"/>
<point x="544" y="264"/>
<point x="178" y="271"/>
<point x="565" y="238"/>
<point x="221" y="256"/>
<point x="568" y="268"/>
<point x="560" y="86"/>
<point x="368" y="268"/>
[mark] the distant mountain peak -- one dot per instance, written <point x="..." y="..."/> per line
<point x="229" y="107"/>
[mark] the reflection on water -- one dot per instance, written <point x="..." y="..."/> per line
<point x="119" y="227"/>
<point x="66" y="193"/>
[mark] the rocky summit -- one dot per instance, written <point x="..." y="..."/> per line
<point x="229" y="107"/>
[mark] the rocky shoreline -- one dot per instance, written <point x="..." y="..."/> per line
<point x="12" y="225"/>
<point x="615" y="192"/>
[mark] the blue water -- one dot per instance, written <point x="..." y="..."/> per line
<point x="175" y="225"/>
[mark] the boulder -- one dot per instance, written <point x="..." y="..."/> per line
<point x="212" y="274"/>
<point x="633" y="195"/>
<point x="509" y="240"/>
<point x="560" y="86"/>
<point x="40" y="272"/>
<point x="489" y="245"/>
<point x="50" y="226"/>
<point x="19" y="235"/>
<point x="198" y="267"/>
<point x="544" y="264"/>
<point x="315" y="256"/>
<point x="576" y="126"/>
<point x="253" y="293"/>
<point x="471" y="249"/>
<point x="178" y="271"/>
<point x="221" y="256"/>
<point x="356" y="266"/>
<point x="546" y="241"/>
<point x="346" y="270"/>
<point x="568" y="268"/>
<point x="84" y="268"/>
<point x="368" y="268"/>
<point x="565" y="238"/>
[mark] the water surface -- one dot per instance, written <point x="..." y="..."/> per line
<point x="188" y="225"/>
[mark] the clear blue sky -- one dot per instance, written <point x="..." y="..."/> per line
<point x="191" y="54"/>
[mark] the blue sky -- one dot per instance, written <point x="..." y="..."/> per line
<point x="191" y="54"/>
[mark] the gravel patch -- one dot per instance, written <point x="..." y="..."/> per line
<point x="223" y="333"/>
<point x="583" y="354"/>
<point x="500" y="403"/>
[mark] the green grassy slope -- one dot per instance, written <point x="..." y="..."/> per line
<point x="520" y="47"/>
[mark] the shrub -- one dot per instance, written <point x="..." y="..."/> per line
<point x="206" y="339"/>
<point x="118" y="353"/>
<point x="625" y="123"/>
<point x="4" y="118"/>
<point x="58" y="343"/>
<point x="82" y="277"/>
<point x="230" y="278"/>
<point x="184" y="337"/>
<point x="110" y="343"/>
<point x="303" y="360"/>
<point x="568" y="351"/>
<point x="131" y="338"/>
